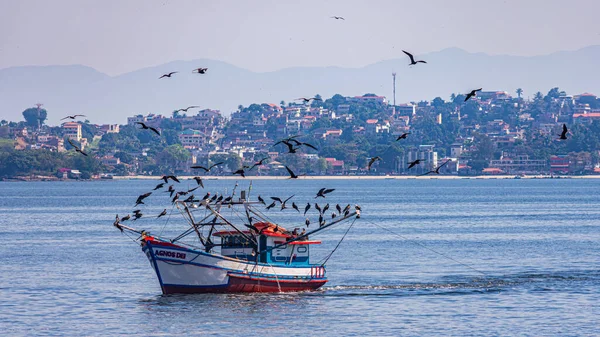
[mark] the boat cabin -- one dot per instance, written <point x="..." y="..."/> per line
<point x="273" y="247"/>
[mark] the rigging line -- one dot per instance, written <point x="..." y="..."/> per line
<point x="166" y="222"/>
<point x="428" y="248"/>
<point x="340" y="242"/>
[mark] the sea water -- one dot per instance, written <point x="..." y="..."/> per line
<point x="427" y="257"/>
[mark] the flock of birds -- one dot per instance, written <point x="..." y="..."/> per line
<point x="219" y="200"/>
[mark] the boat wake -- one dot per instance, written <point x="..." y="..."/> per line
<point x="462" y="286"/>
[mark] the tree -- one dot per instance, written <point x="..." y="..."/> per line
<point x="437" y="102"/>
<point x="35" y="117"/>
<point x="519" y="93"/>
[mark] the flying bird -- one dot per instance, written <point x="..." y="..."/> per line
<point x="288" y="139"/>
<point x="261" y="200"/>
<point x="472" y="94"/>
<point x="168" y="75"/>
<point x="240" y="172"/>
<point x="166" y="178"/>
<point x="170" y="190"/>
<point x="141" y="198"/>
<point x="258" y="163"/>
<point x="412" y="59"/>
<point x="76" y="147"/>
<point x="338" y="18"/>
<point x="564" y="132"/>
<point x="164" y="212"/>
<point x="146" y="127"/>
<point x="324" y="191"/>
<point x="306" y="100"/>
<point x="403" y="136"/>
<point x="413" y="163"/>
<point x="292" y="174"/>
<point x="199" y="181"/>
<point x="207" y="169"/>
<point x="277" y="199"/>
<point x="291" y="148"/>
<point x="200" y="70"/>
<point x="373" y="160"/>
<point x="72" y="117"/>
<point x="437" y="169"/>
<point x="189" y="107"/>
<point x="159" y="186"/>
<point x="271" y="206"/>
<point x="286" y="200"/>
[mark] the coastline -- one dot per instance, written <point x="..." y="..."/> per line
<point x="399" y="177"/>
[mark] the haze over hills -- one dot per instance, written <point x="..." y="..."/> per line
<point x="105" y="99"/>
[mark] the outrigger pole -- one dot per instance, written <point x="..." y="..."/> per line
<point x="217" y="214"/>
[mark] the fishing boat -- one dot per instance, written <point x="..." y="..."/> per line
<point x="257" y="255"/>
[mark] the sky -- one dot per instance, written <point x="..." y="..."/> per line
<point x="118" y="36"/>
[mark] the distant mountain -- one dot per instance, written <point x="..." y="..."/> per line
<point x="79" y="89"/>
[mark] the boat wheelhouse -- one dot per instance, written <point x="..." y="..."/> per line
<point x="261" y="257"/>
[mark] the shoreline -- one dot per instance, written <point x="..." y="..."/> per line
<point x="401" y="177"/>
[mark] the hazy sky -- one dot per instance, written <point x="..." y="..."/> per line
<point x="117" y="36"/>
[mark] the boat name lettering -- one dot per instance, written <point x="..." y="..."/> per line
<point x="170" y="254"/>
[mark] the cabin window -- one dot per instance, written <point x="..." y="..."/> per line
<point x="301" y="249"/>
<point x="235" y="241"/>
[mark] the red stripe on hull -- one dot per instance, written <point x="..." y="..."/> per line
<point x="248" y="285"/>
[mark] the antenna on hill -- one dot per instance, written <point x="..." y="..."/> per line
<point x="394" y="88"/>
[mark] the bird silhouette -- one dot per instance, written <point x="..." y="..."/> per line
<point x="158" y="186"/>
<point x="472" y="94"/>
<point x="292" y="174"/>
<point x="200" y="70"/>
<point x="199" y="181"/>
<point x="307" y="222"/>
<point x="306" y="208"/>
<point x="189" y="107"/>
<point x="338" y="18"/>
<point x="141" y="198"/>
<point x="412" y="59"/>
<point x="146" y="127"/>
<point x="291" y="148"/>
<point x="437" y="169"/>
<point x="373" y="160"/>
<point x="76" y="147"/>
<point x="318" y="208"/>
<point x="168" y="75"/>
<point x="286" y="200"/>
<point x="287" y="139"/>
<point x="277" y="199"/>
<point x="240" y="172"/>
<point x="416" y="162"/>
<point x="403" y="136"/>
<point x="163" y="213"/>
<point x="258" y="163"/>
<point x="338" y="208"/>
<point x="171" y="190"/>
<point x="564" y="132"/>
<point x="306" y="100"/>
<point x="166" y="178"/>
<point x="324" y="191"/>
<point x="72" y="117"/>
<point x="207" y="169"/>
<point x="294" y="206"/>
<point x="271" y="206"/>
<point x="261" y="200"/>
<point x="325" y="208"/>
<point x="125" y="218"/>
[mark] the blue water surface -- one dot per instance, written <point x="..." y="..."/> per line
<point x="427" y="258"/>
